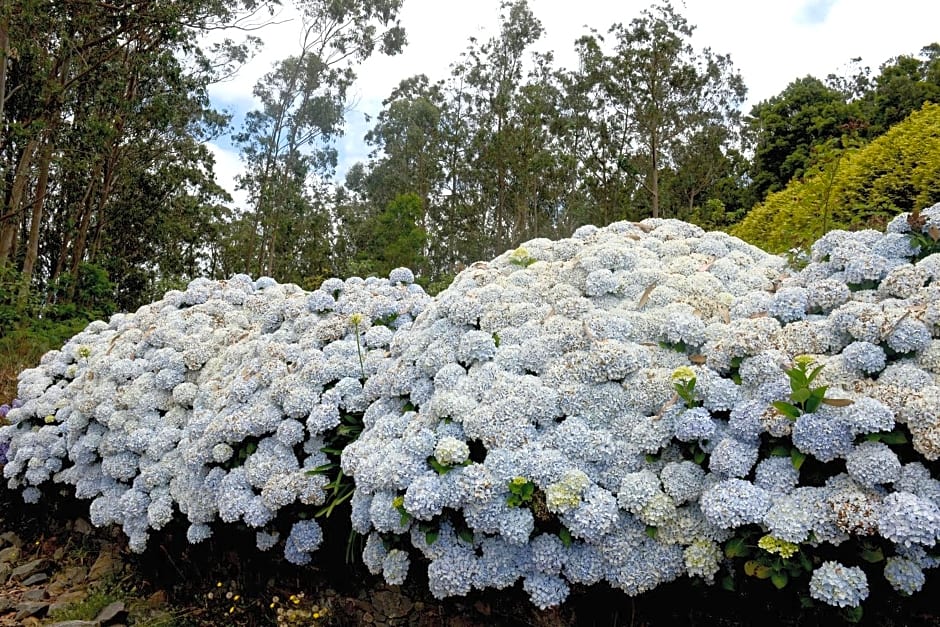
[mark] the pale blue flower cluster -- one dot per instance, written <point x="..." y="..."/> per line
<point x="581" y="380"/>
<point x="211" y="404"/>
<point x="839" y="585"/>
<point x="609" y="407"/>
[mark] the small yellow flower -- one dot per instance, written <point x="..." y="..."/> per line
<point x="218" y="584"/>
<point x="519" y="481"/>
<point x="49" y="419"/>
<point x="236" y="597"/>
<point x="316" y="614"/>
<point x="356" y="319"/>
<point x="784" y="549"/>
<point x="683" y="374"/>
<point x="398" y="501"/>
<point x="804" y="360"/>
<point x="231" y="610"/>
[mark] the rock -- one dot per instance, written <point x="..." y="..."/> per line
<point x="74" y="623"/>
<point x="32" y="580"/>
<point x="9" y="554"/>
<point x="112" y="613"/>
<point x="25" y="570"/>
<point x="30" y="608"/>
<point x="157" y="599"/>
<point x="67" y="578"/>
<point x="9" y="537"/>
<point x="82" y="526"/>
<point x="37" y="594"/>
<point x="106" y="564"/>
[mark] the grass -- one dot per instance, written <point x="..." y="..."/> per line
<point x="99" y="597"/>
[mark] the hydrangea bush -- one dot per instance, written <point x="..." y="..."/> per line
<point x="217" y="403"/>
<point x="633" y="404"/>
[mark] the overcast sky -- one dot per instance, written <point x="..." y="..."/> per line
<point x="771" y="43"/>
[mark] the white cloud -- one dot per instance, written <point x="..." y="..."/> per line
<point x="770" y="43"/>
<point x="227" y="167"/>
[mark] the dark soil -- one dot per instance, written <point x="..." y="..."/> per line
<point x="54" y="567"/>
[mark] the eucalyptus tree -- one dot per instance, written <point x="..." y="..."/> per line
<point x="506" y="102"/>
<point x="81" y="83"/>
<point x="287" y="143"/>
<point x="662" y="91"/>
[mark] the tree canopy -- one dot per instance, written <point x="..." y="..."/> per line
<point x="853" y="188"/>
<point x="108" y="195"/>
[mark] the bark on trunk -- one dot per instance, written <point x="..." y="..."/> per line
<point x="35" y="220"/>
<point x="10" y="222"/>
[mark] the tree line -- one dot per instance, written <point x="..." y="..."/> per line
<point x="109" y="197"/>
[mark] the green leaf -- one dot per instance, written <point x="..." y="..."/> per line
<point x="838" y="402"/>
<point x="763" y="572"/>
<point x="852" y="614"/>
<point x="812" y="404"/>
<point x="651" y="531"/>
<point x="788" y="410"/>
<point x="699" y="457"/>
<point x="814" y="373"/>
<point x="805" y="562"/>
<point x="466" y="535"/>
<point x="797" y="379"/>
<point x="780" y="451"/>
<point x="565" y="536"/>
<point x="750" y="567"/>
<point x="779" y="580"/>
<point x="894" y="437"/>
<point x="800" y="395"/>
<point x="727" y="583"/>
<point x="797" y="458"/>
<point x="872" y="556"/>
<point x="431" y="536"/>
<point x="442" y="469"/>
<point x="736" y="547"/>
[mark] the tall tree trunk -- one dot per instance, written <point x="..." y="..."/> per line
<point x="35" y="220"/>
<point x="10" y="221"/>
<point x="84" y="222"/>
<point x="4" y="55"/>
<point x="79" y="253"/>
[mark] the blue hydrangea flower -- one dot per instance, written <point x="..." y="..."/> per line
<point x="839" y="585"/>
<point x="732" y="458"/>
<point x="735" y="502"/>
<point x="908" y="519"/>
<point x="695" y="424"/>
<point x="822" y="436"/>
<point x="776" y="474"/>
<point x="904" y="575"/>
<point x="873" y="463"/>
<point x="864" y="356"/>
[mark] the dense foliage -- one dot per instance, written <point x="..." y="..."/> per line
<point x="104" y="119"/>
<point x="853" y="188"/>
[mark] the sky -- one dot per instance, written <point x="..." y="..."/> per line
<point x="770" y="42"/>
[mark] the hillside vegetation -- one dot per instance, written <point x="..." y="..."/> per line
<point x="853" y="188"/>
